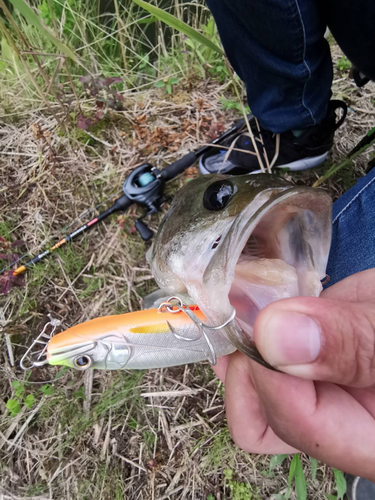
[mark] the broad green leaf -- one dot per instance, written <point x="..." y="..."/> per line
<point x="173" y="81"/>
<point x="175" y="23"/>
<point x="13" y="406"/>
<point x="33" y="19"/>
<point x="314" y="467"/>
<point x="47" y="389"/>
<point x="300" y="480"/>
<point x="19" y="388"/>
<point x="159" y="84"/>
<point x="169" y="88"/>
<point x="29" y="401"/>
<point x="340" y="483"/>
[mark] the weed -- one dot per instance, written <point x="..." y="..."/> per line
<point x="228" y="104"/>
<point x="239" y="491"/>
<point x="275" y="461"/>
<point x="343" y="64"/>
<point x="340" y="483"/>
<point x="47" y="390"/>
<point x="149" y="439"/>
<point x="219" y="450"/>
<point x="19" y="398"/>
<point x="37" y="489"/>
<point x="314" y="467"/>
<point x="297" y="475"/>
<point x="92" y="284"/>
<point x="5" y="230"/>
<point x="166" y="84"/>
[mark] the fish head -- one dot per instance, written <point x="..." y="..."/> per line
<point x="242" y="242"/>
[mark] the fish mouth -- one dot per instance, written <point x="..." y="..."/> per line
<point x="282" y="252"/>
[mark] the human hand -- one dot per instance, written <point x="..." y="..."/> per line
<point x="324" y="402"/>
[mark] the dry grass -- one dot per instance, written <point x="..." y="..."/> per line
<point x="153" y="435"/>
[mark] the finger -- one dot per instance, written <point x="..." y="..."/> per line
<point x="221" y="366"/>
<point x="366" y="397"/>
<point x="319" y="339"/>
<point x="245" y="415"/>
<point x="321" y="419"/>
<point x="359" y="287"/>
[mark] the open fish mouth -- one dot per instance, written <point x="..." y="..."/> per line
<point x="280" y="251"/>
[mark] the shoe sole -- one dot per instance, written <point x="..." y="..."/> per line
<point x="295" y="166"/>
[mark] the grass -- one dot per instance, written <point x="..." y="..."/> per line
<point x="69" y="435"/>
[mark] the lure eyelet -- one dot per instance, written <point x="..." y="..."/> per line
<point x="82" y="362"/>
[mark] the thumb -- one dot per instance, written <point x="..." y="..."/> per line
<point x="319" y="339"/>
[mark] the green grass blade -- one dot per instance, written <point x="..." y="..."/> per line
<point x="300" y="480"/>
<point x="33" y="19"/>
<point x="175" y="23"/>
<point x="292" y="468"/>
<point x="314" y="467"/>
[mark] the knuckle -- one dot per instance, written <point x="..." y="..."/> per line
<point x="364" y="338"/>
<point x="354" y="347"/>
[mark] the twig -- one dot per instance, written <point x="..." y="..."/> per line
<point x="171" y="493"/>
<point x="9" y="349"/>
<point x="88" y="380"/>
<point x="128" y="461"/>
<point x="336" y="168"/>
<point x="171" y="394"/>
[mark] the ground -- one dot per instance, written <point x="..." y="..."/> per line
<point x="112" y="435"/>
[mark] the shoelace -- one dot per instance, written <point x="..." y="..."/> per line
<point x="249" y="133"/>
<point x="334" y="104"/>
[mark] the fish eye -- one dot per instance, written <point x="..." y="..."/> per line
<point x="82" y="362"/>
<point x="218" y="194"/>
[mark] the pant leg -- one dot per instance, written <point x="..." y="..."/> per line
<point x="353" y="237"/>
<point x="352" y="23"/>
<point x="277" y="48"/>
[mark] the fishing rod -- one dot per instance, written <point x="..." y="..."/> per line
<point x="144" y="187"/>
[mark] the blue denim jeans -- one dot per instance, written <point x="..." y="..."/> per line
<point x="278" y="49"/>
<point x="353" y="231"/>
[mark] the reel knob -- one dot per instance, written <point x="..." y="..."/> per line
<point x="144" y="231"/>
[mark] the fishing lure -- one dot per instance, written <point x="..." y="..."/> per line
<point x="173" y="334"/>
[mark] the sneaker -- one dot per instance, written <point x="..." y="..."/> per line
<point x="359" y="488"/>
<point x="294" y="150"/>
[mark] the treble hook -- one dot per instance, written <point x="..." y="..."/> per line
<point x="181" y="307"/>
